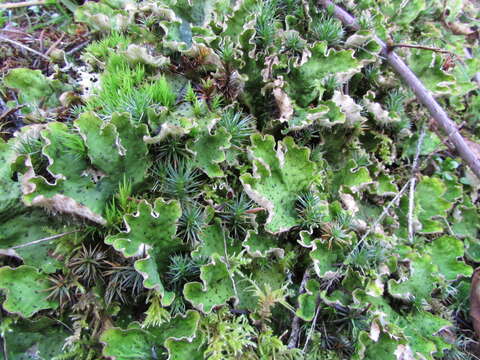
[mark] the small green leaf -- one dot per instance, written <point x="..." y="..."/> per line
<point x="181" y="327"/>
<point x="428" y="66"/>
<point x="385" y="347"/>
<point x="40" y="339"/>
<point x="352" y="177"/>
<point x="466" y="221"/>
<point x="385" y="185"/>
<point x="35" y="90"/>
<point x="135" y="343"/>
<point x="32" y="84"/>
<point x="405" y="13"/>
<point x="302" y="80"/>
<point x="104" y="16"/>
<point x="472" y="249"/>
<point x="431" y="204"/>
<point x="422" y="329"/>
<point x="116" y="147"/>
<point x="9" y="189"/>
<point x="116" y="150"/>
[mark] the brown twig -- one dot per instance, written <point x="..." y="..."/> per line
<point x="78" y="47"/>
<point x="421" y="92"/>
<point x="22" y="4"/>
<point x="14" y="31"/>
<point x="42" y="47"/>
<point x="54" y="45"/>
<point x="422" y="47"/>
<point x="254" y="210"/>
<point x="20" y="45"/>
<point x="432" y="126"/>
<point x="10" y="111"/>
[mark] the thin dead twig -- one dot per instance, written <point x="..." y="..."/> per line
<point x="382" y="215"/>
<point x="411" y="198"/>
<point x="312" y="328"/>
<point x="20" y="45"/>
<point x="15" y="31"/>
<point x="422" y="47"/>
<point x="54" y="45"/>
<point x="78" y="47"/>
<point x="375" y="223"/>
<point x="42" y="34"/>
<point x="421" y="92"/>
<point x="10" y="111"/>
<point x="53" y="237"/>
<point x="254" y="210"/>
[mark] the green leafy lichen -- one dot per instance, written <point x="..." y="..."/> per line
<point x="204" y="176"/>
<point x="217" y="287"/>
<point x="150" y="231"/>
<point x="26" y="290"/>
<point x="278" y="176"/>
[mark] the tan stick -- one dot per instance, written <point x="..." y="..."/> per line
<point x="421" y="92"/>
<point x="22" y="4"/>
